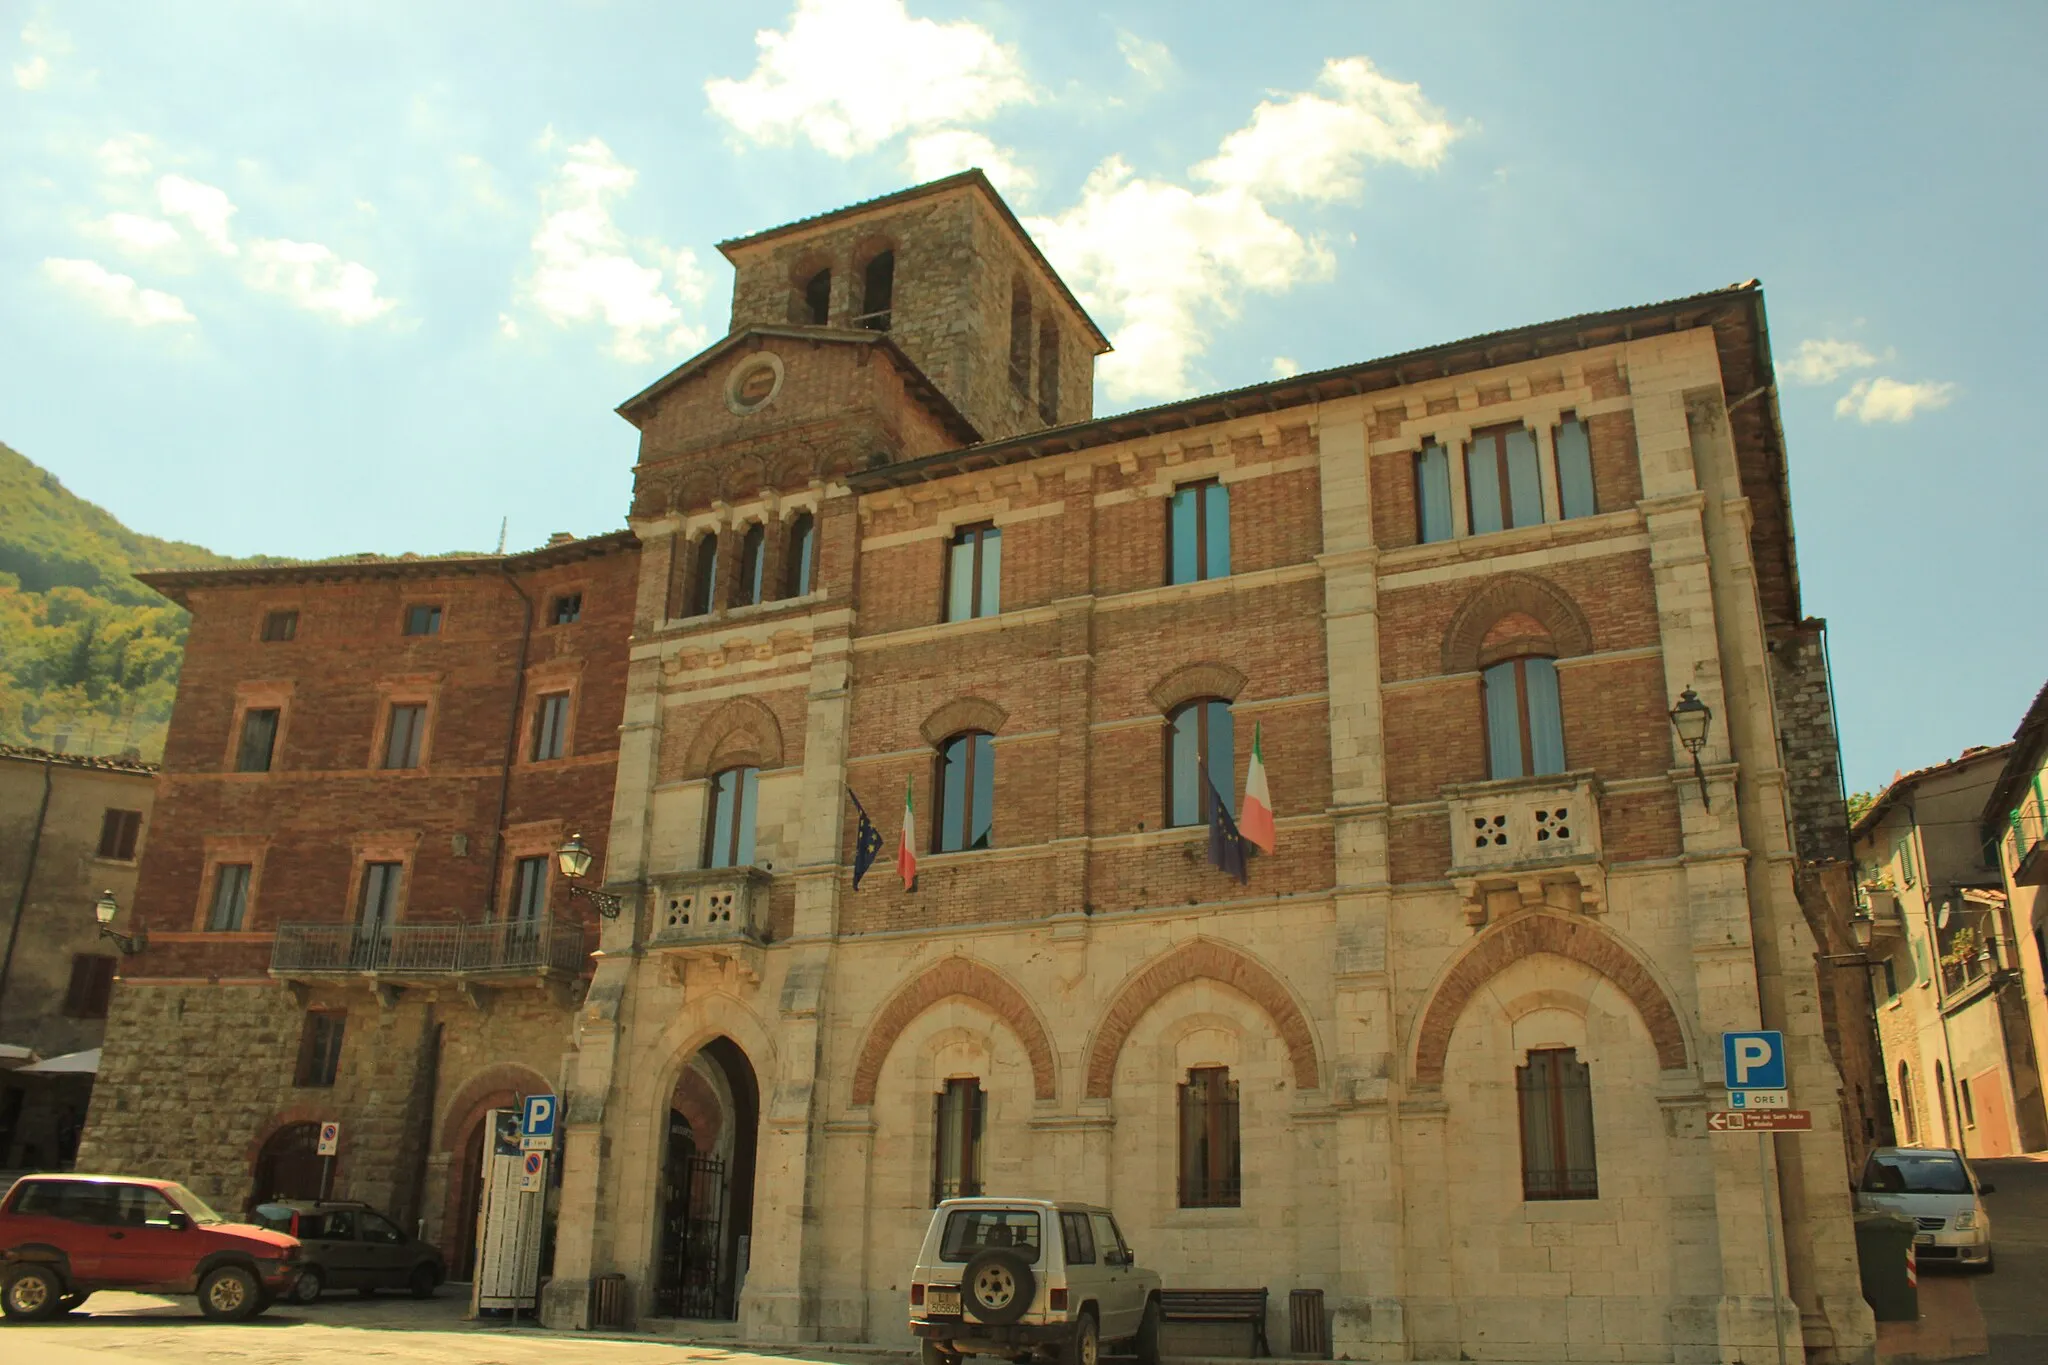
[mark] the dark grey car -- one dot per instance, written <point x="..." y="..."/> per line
<point x="352" y="1246"/>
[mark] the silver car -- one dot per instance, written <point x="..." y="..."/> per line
<point x="1030" y="1278"/>
<point x="1936" y="1188"/>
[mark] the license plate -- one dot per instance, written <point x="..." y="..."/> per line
<point x="1925" y="1239"/>
<point x="942" y="1301"/>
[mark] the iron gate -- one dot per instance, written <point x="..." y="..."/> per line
<point x="694" y="1228"/>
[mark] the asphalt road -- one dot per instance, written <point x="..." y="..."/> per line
<point x="2014" y="1297"/>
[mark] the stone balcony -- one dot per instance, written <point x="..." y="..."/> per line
<point x="715" y="915"/>
<point x="474" y="958"/>
<point x="1527" y="842"/>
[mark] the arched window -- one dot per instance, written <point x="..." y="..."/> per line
<point x="803" y="541"/>
<point x="1199" y="741"/>
<point x="1049" y="371"/>
<point x="1556" y="1095"/>
<point x="1906" y="1108"/>
<point x="959" y="1114"/>
<point x="878" y="292"/>
<point x="1020" y="339"/>
<point x="1524" y="727"/>
<point x="704" y="576"/>
<point x="729" y="824"/>
<point x="964" y="793"/>
<point x="753" y="565"/>
<point x="818" y="298"/>
<point x="1210" y="1175"/>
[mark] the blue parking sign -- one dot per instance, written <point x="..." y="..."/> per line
<point x="538" y="1119"/>
<point x="1754" y="1061"/>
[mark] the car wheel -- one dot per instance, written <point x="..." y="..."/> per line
<point x="423" y="1281"/>
<point x="1084" y="1347"/>
<point x="1148" y="1334"/>
<point x="310" y="1284"/>
<point x="931" y="1353"/>
<point x="32" y="1293"/>
<point x="230" y="1293"/>
<point x="997" y="1286"/>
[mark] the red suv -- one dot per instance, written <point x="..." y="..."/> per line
<point x="64" y="1236"/>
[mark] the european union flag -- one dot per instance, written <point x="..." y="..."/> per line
<point x="1227" y="849"/>
<point x="867" y="842"/>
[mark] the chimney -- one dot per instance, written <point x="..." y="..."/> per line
<point x="560" y="538"/>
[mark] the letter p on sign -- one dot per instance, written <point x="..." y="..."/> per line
<point x="1754" y="1061"/>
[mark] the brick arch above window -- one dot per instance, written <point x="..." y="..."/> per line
<point x="956" y="976"/>
<point x="1471" y="641"/>
<point x="962" y="714"/>
<point x="1207" y="679"/>
<point x="1201" y="960"/>
<point x="1511" y="940"/>
<point x="491" y="1088"/>
<point x="743" y="733"/>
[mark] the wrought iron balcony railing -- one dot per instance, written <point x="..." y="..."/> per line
<point x="512" y="947"/>
<point x="2029" y="846"/>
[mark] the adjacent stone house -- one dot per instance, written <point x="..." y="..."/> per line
<point x="2014" y="826"/>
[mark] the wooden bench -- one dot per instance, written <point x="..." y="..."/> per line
<point x="1218" y="1305"/>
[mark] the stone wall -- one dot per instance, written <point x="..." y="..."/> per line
<point x="1810" y="749"/>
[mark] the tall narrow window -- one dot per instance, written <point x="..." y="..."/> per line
<point x="960" y="1113"/>
<point x="1502" y="487"/>
<point x="1433" y="494"/>
<point x="878" y="292"/>
<point x="1574" y="469"/>
<point x="704" y="575"/>
<point x="1020" y="339"/>
<point x="379" y="906"/>
<point x="803" y="545"/>
<point x="964" y="794"/>
<point x="403" y="736"/>
<point x="280" y="626"/>
<point x="1209" y="1174"/>
<point x="529" y="890"/>
<point x="818" y="299"/>
<point x="1556" y="1092"/>
<point x="1199" y="739"/>
<point x="753" y="565"/>
<point x="1907" y="1109"/>
<point x="1524" y="726"/>
<point x="974" y="573"/>
<point x="118" y="831"/>
<point x="259" y="738"/>
<point x="92" y="986"/>
<point x="729" y="832"/>
<point x="320" y="1048"/>
<point x="1198" y="532"/>
<point x="1048" y="371"/>
<point x="230" y="908"/>
<point x="422" y="620"/>
<point x="551" y="727"/>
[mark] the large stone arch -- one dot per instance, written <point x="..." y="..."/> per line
<point x="741" y="733"/>
<point x="1195" y="960"/>
<point x="1513" y="939"/>
<point x="955" y="976"/>
<point x="962" y="713"/>
<point x="460" y="1128"/>
<point x="1509" y="594"/>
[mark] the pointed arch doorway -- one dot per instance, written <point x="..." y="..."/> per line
<point x="703" y="1239"/>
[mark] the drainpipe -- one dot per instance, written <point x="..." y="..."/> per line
<point x="28" y="876"/>
<point x="511" y="744"/>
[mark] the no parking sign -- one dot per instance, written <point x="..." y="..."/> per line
<point x="330" y="1139"/>
<point x="533" y="1172"/>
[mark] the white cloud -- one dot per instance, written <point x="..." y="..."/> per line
<point x="206" y="207"/>
<point x="1152" y="61"/>
<point x="140" y="233"/>
<point x="585" y="269"/>
<point x="313" y="277"/>
<point x="118" y="296"/>
<point x="928" y="156"/>
<point x="848" y="75"/>
<point x="1888" y="400"/>
<point x="1823" y="362"/>
<point x="1285" y="367"/>
<point x="1315" y="146"/>
<point x="125" y="155"/>
<point x="34" y="73"/>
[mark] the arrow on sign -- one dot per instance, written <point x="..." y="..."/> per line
<point x="1759" y="1120"/>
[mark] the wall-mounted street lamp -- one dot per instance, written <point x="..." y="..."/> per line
<point x="1690" y="718"/>
<point x="574" y="860"/>
<point x="104" y="909"/>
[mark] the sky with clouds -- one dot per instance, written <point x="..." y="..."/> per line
<point x="313" y="279"/>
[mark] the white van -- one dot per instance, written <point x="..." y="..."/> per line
<point x="1936" y="1187"/>
<point x="1030" y="1278"/>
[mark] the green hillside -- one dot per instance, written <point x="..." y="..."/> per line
<point x="88" y="656"/>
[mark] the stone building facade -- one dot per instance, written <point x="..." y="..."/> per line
<point x="2014" y="824"/>
<point x="367" y="765"/>
<point x="72" y="828"/>
<point x="1445" y="1054"/>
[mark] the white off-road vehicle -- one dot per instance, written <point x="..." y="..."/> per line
<point x="1026" y="1279"/>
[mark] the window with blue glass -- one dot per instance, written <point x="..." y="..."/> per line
<point x="1502" y="487"/>
<point x="1574" y="469"/>
<point x="729" y="830"/>
<point x="1524" y="724"/>
<point x="974" y="573"/>
<point x="1198" y="532"/>
<point x="802" y="547"/>
<point x="964" y="793"/>
<point x="1433" y="494"/>
<point x="1198" y="740"/>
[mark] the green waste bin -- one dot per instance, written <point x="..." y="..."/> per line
<point x="1884" y="1245"/>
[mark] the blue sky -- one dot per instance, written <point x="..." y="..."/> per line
<point x="311" y="279"/>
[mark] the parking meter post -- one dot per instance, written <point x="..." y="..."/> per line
<point x="1763" y="1170"/>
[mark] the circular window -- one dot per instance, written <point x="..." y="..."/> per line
<point x="754" y="382"/>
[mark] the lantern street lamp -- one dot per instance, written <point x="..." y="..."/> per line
<point x="574" y="860"/>
<point x="1690" y="718"/>
<point x="104" y="909"/>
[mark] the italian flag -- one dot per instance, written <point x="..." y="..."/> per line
<point x="1255" y="816"/>
<point x="906" y="852"/>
